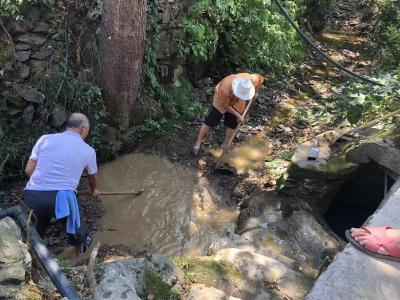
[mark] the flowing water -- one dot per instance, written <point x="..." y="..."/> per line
<point x="178" y="213"/>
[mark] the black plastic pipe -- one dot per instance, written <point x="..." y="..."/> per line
<point x="319" y="51"/>
<point x="63" y="285"/>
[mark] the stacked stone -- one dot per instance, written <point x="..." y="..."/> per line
<point x="169" y="18"/>
<point x="32" y="56"/>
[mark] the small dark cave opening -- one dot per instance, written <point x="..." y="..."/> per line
<point x="357" y="199"/>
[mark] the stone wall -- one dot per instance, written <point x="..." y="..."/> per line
<point x="169" y="18"/>
<point x="29" y="52"/>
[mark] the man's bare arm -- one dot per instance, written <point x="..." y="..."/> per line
<point x="93" y="185"/>
<point x="30" y="167"/>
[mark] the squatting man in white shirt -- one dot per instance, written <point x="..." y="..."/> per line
<point x="54" y="169"/>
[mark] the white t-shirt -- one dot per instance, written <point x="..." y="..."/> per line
<point x="61" y="159"/>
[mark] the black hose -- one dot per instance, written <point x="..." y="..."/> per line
<point x="63" y="285"/>
<point x="319" y="51"/>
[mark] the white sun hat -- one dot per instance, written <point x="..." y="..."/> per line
<point x="243" y="88"/>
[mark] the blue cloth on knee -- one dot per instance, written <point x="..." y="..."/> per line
<point x="67" y="206"/>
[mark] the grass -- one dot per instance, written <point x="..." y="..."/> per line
<point x="209" y="271"/>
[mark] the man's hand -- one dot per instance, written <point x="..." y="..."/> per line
<point x="240" y="119"/>
<point x="95" y="193"/>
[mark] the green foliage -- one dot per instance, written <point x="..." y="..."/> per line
<point x="159" y="289"/>
<point x="202" y="40"/>
<point x="175" y="293"/>
<point x="251" y="33"/>
<point x="97" y="11"/>
<point x="75" y="95"/>
<point x="361" y="103"/>
<point x="387" y="33"/>
<point x="174" y="99"/>
<point x="287" y="154"/>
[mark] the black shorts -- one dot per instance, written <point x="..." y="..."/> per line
<point x="43" y="205"/>
<point x="214" y="118"/>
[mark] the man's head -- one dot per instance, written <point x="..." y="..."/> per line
<point x="79" y="123"/>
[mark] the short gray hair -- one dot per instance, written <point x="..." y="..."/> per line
<point x="78" y="120"/>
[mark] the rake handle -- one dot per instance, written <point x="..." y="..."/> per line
<point x="135" y="193"/>
<point x="237" y="128"/>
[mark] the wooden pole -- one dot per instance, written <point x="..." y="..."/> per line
<point x="237" y="129"/>
<point x="134" y="193"/>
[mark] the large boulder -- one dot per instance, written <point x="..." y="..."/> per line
<point x="261" y="269"/>
<point x="200" y="292"/>
<point x="385" y="152"/>
<point x="123" y="280"/>
<point x="274" y="226"/>
<point x="15" y="260"/>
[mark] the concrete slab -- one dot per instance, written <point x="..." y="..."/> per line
<point x="354" y="275"/>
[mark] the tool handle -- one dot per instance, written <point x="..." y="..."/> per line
<point x="237" y="128"/>
<point x="135" y="193"/>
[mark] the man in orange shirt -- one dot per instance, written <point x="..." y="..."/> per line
<point x="230" y="97"/>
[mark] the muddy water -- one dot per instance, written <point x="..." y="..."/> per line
<point x="245" y="156"/>
<point x="178" y="213"/>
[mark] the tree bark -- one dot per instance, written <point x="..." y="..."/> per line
<point x="121" y="55"/>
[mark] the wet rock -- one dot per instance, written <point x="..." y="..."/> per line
<point x="23" y="71"/>
<point x="260" y="269"/>
<point x="200" y="292"/>
<point x="33" y="39"/>
<point x="27" y="114"/>
<point x="264" y="230"/>
<point x="14" y="99"/>
<point x="22" y="56"/>
<point x="22" y="46"/>
<point x="29" y="93"/>
<point x="317" y="181"/>
<point x="311" y="236"/>
<point x="122" y="280"/>
<point x="42" y="53"/>
<point x="58" y="116"/>
<point x="41" y="27"/>
<point x="15" y="260"/>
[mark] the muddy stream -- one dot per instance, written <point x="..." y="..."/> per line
<point x="178" y="213"/>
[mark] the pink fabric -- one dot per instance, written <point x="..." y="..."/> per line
<point x="381" y="239"/>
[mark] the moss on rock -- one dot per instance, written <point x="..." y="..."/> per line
<point x="209" y="271"/>
<point x="333" y="168"/>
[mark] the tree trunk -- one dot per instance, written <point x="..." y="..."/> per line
<point x="121" y="55"/>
